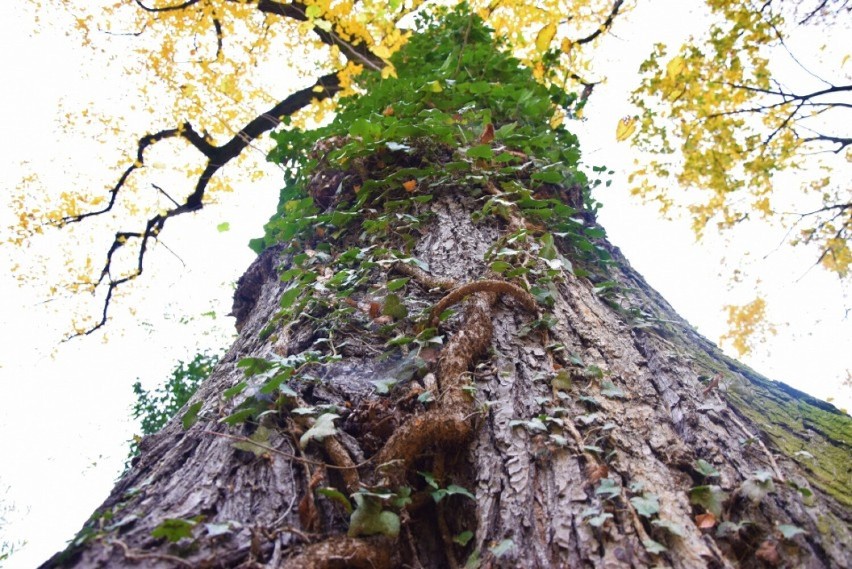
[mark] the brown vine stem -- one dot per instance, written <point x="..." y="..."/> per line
<point x="287" y="454"/>
<point x="136" y="556"/>
<point x="487" y="286"/>
<point x="423" y="277"/>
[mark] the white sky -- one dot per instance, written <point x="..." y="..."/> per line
<point x="64" y="410"/>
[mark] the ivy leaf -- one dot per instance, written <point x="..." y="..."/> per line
<point x="609" y="389"/>
<point x="482" y="151"/>
<point x="608" y="488"/>
<point x="790" y="531"/>
<point x="549" y="176"/>
<point x="396" y="284"/>
<point x="562" y="380"/>
<point x="383" y="386"/>
<point x="261" y="435"/>
<point x="191" y="415"/>
<point x="323" y="427"/>
<point x="394" y="307"/>
<point x="757" y="486"/>
<point x="463" y="538"/>
<point x="646" y="505"/>
<point x="214" y="530"/>
<point x="705" y="468"/>
<point x="369" y="518"/>
<point x="654" y="547"/>
<point x="599" y="520"/>
<point x="708" y="497"/>
<point x="174" y="529"/>
<point x="336" y="496"/>
<point x="231" y="392"/>
<point x="671" y="527"/>
<point x="453" y="489"/>
<point x="502" y="548"/>
<point x="402" y="498"/>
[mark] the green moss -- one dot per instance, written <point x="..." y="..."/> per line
<point x="801" y="427"/>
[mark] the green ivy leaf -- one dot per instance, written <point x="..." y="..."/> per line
<point x="336" y="496"/>
<point x="654" y="547"/>
<point x="757" y="486"/>
<point x="394" y="307"/>
<point x="608" y="488"/>
<point x="671" y="527"/>
<point x="609" y="389"/>
<point x="646" y="505"/>
<point x="708" y="497"/>
<point x="463" y="538"/>
<point x="174" y="529"/>
<point x="502" y="548"/>
<point x="369" y="518"/>
<point x="562" y="380"/>
<point x="790" y="531"/>
<point x="191" y="415"/>
<point x="396" y="284"/>
<point x="261" y="436"/>
<point x="705" y="468"/>
<point x="323" y="427"/>
<point x="231" y="392"/>
<point x="599" y="520"/>
<point x="549" y="176"/>
<point x="482" y="151"/>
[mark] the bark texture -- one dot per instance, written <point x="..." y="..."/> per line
<point x="553" y="430"/>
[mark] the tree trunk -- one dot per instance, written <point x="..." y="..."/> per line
<point x="597" y="431"/>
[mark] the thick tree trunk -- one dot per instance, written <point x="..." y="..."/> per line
<point x="566" y="435"/>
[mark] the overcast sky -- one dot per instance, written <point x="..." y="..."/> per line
<point x="64" y="409"/>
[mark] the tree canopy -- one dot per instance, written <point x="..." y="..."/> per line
<point x="716" y="116"/>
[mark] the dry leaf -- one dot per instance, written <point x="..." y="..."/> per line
<point x="487" y="134"/>
<point x="597" y="471"/>
<point x="705" y="521"/>
<point x="375" y="310"/>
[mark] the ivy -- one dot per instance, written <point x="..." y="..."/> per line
<point x="458" y="102"/>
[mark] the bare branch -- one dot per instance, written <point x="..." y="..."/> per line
<point x="186" y="4"/>
<point x="217" y="156"/>
<point x="616" y="6"/>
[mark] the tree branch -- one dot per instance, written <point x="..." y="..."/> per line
<point x="217" y="156"/>
<point x="616" y="6"/>
<point x="186" y="4"/>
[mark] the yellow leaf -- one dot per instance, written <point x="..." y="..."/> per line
<point x="381" y="51"/>
<point x="675" y="67"/>
<point x="545" y="36"/>
<point x="388" y="71"/>
<point x="626" y="127"/>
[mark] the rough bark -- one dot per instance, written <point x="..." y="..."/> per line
<point x="504" y="424"/>
<point x="647" y="420"/>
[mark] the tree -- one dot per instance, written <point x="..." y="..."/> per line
<point x="441" y="361"/>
